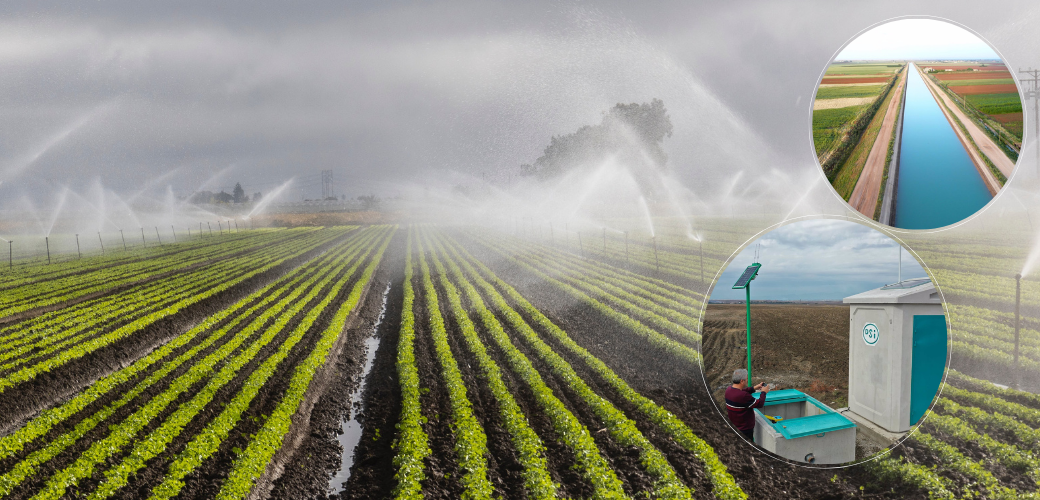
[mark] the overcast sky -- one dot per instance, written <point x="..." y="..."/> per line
<point x="197" y="95"/>
<point x="818" y="260"/>
<point x="917" y="39"/>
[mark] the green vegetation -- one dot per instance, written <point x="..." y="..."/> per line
<point x="848" y="91"/>
<point x="830" y="126"/>
<point x="995" y="104"/>
<point x="849" y="172"/>
<point x="863" y="69"/>
<point x="996" y="81"/>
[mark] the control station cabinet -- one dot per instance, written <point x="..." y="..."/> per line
<point x="897" y="353"/>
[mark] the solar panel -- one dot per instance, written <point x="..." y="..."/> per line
<point x="749" y="274"/>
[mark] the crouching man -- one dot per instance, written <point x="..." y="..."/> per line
<point x="740" y="404"/>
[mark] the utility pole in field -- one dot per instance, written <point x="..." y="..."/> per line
<point x="326" y="184"/>
<point x="1034" y="93"/>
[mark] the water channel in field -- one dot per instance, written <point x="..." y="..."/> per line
<point x="938" y="184"/>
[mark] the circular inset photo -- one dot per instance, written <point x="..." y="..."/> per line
<point x="848" y="342"/>
<point x="917" y="123"/>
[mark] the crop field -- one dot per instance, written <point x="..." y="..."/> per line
<point x="541" y="362"/>
<point x="989" y="95"/>
<point x="846" y="115"/>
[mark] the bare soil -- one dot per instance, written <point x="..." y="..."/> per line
<point x="795" y="346"/>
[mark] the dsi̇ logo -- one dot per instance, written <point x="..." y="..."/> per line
<point x="871" y="334"/>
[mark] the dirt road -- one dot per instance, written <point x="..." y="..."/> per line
<point x="988" y="147"/>
<point x="868" y="187"/>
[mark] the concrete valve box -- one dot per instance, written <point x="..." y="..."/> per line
<point x="897" y="353"/>
<point x="804" y="429"/>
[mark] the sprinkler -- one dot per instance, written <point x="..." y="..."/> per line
<point x="143" y="242"/>
<point x="79" y="255"/>
<point x="220" y="228"/>
<point x="102" y="243"/>
<point x="174" y="231"/>
<point x="626" y="247"/>
<point x="1018" y="299"/>
<point x="236" y="226"/>
<point x="604" y="242"/>
<point x="123" y="238"/>
<point x="189" y="232"/>
<point x="700" y="243"/>
<point x="745" y="282"/>
<point x="200" y="230"/>
<point x="47" y="241"/>
<point x="654" y="238"/>
<point x="581" y="248"/>
<point x="10" y="254"/>
<point x="157" y="235"/>
<point x="208" y="225"/>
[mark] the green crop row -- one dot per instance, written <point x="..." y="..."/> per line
<point x="655" y="339"/>
<point x="681" y="303"/>
<point x="124" y="306"/>
<point x="996" y="104"/>
<point x="529" y="447"/>
<point x="1009" y="455"/>
<point x="847" y="91"/>
<point x="470" y="440"/>
<point x="621" y="428"/>
<point x="57" y="291"/>
<point x="991" y="421"/>
<point x="82" y="349"/>
<point x="14" y="442"/>
<point x="975" y="471"/>
<point x="254" y="460"/>
<point x="723" y="484"/>
<point x="209" y="440"/>
<point x="157" y="441"/>
<point x="46" y="421"/>
<point x="993" y="403"/>
<point x="412" y="444"/>
<point x="42" y="272"/>
<point x="963" y="381"/>
<point x="891" y="469"/>
<point x="642" y="308"/>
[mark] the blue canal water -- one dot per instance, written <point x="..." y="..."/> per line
<point x="938" y="183"/>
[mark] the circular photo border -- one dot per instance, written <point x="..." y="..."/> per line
<point x="931" y="276"/>
<point x="1026" y="124"/>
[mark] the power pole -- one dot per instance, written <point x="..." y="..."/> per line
<point x="1034" y="94"/>
<point x="326" y="185"/>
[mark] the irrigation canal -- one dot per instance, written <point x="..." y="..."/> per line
<point x="938" y="184"/>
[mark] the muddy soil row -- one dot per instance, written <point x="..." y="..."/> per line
<point x="679" y="387"/>
<point x="21" y="402"/>
<point x="153" y="473"/>
<point x="317" y="459"/>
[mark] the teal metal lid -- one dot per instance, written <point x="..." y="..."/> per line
<point x="783" y="396"/>
<point x="809" y="426"/>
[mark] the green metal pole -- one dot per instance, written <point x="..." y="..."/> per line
<point x="747" y="303"/>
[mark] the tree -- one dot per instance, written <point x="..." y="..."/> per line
<point x="632" y="132"/>
<point x="238" y="195"/>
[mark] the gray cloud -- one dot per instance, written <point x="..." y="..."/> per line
<point x="383" y="93"/>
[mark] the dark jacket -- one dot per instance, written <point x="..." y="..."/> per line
<point x="741" y="407"/>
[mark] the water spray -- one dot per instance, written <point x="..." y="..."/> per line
<point x="79" y="255"/>
<point x="626" y="248"/>
<point x="157" y="235"/>
<point x="102" y="243"/>
<point x="47" y="241"/>
<point x="654" y="238"/>
<point x="123" y="238"/>
<point x="1018" y="299"/>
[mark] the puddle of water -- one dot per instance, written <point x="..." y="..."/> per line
<point x="352" y="428"/>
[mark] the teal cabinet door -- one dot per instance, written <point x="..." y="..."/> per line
<point x="929" y="362"/>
